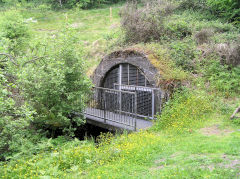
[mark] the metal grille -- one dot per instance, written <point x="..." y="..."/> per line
<point x="126" y="74"/>
<point x="148" y="99"/>
<point x="108" y="105"/>
<point x="111" y="78"/>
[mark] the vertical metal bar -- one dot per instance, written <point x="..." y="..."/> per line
<point x="160" y="102"/>
<point x="135" y="121"/>
<point x="153" y="101"/>
<point x="104" y="106"/>
<point x="128" y="75"/>
<point x="120" y="85"/>
<point x="133" y="115"/>
<point x="137" y="78"/>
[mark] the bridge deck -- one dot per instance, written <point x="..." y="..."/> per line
<point x="111" y="120"/>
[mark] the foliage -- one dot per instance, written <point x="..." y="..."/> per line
<point x="16" y="31"/>
<point x="145" y="23"/>
<point x="184" y="54"/>
<point x="228" y="9"/>
<point x="14" y="121"/>
<point x="161" y="59"/>
<point x="183" y="111"/>
<point x="134" y="155"/>
<point x="15" y="116"/>
<point x="150" y="154"/>
<point x="55" y="83"/>
<point x="177" y="29"/>
<point x="236" y="121"/>
<point x="193" y="4"/>
<point x="84" y="4"/>
<point x="28" y="102"/>
<point x="77" y="156"/>
<point x="222" y="78"/>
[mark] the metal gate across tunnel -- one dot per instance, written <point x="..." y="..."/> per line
<point x="127" y="90"/>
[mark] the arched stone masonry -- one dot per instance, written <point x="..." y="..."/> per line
<point x="131" y="57"/>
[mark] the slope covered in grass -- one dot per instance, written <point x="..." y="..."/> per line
<point x="200" y="142"/>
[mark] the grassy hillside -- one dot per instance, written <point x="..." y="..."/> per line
<point x="193" y="137"/>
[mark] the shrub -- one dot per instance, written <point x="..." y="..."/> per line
<point x="203" y="36"/>
<point x="184" y="54"/>
<point x="14" y="121"/>
<point x="222" y="78"/>
<point x="145" y="23"/>
<point x="186" y="109"/>
<point x="229" y="53"/>
<point x="13" y="28"/>
<point x="55" y="84"/>
<point x="177" y="29"/>
<point x="193" y="4"/>
<point x="236" y="121"/>
<point x="84" y="4"/>
<point x="227" y="9"/>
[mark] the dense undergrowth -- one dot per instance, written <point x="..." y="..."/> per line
<point x="46" y="54"/>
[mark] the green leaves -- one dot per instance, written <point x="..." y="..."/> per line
<point x="54" y="88"/>
<point x="228" y="9"/>
<point x="223" y="78"/>
<point x="16" y="31"/>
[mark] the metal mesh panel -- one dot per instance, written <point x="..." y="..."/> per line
<point x="106" y="104"/>
<point x="128" y="75"/>
<point x="144" y="101"/>
<point x="148" y="101"/>
<point x="125" y="76"/>
<point x="111" y="78"/>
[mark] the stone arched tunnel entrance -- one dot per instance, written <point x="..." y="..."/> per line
<point x="125" y="95"/>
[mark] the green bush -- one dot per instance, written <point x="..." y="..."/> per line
<point x="193" y="4"/>
<point x="236" y="121"/>
<point x="184" y="53"/>
<point x="184" y="111"/>
<point x="55" y="84"/>
<point x="15" y="30"/>
<point x="229" y="9"/>
<point x="222" y="78"/>
<point x="146" y="23"/>
<point x="14" y="121"/>
<point x="177" y="29"/>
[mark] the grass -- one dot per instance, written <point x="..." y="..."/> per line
<point x="91" y="25"/>
<point x="95" y="28"/>
<point x="208" y="147"/>
<point x="138" y="155"/>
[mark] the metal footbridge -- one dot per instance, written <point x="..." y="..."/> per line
<point x="126" y="107"/>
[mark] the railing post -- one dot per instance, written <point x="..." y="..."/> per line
<point x="104" y="106"/>
<point x="153" y="103"/>
<point x="135" y="109"/>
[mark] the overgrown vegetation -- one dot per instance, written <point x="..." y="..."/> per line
<point x="42" y="85"/>
<point x="185" y="110"/>
<point x="46" y="54"/>
<point x="82" y="4"/>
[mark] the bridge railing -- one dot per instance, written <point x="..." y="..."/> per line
<point x="149" y="99"/>
<point x="111" y="105"/>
